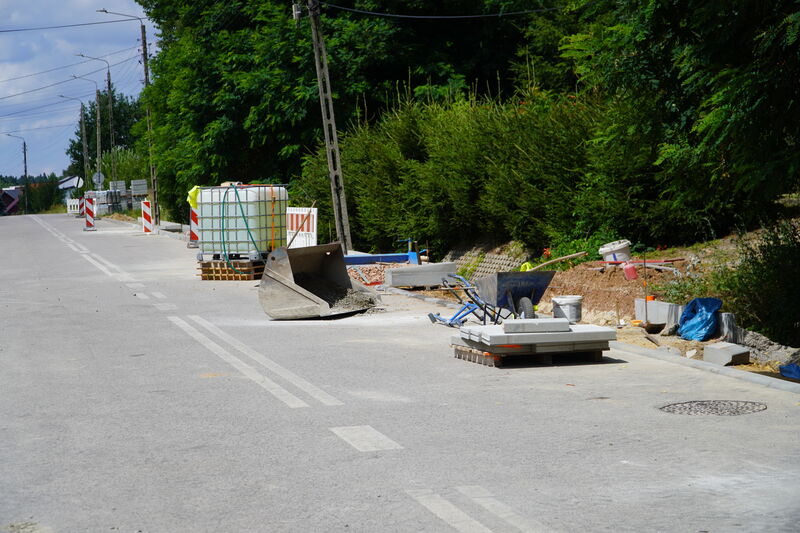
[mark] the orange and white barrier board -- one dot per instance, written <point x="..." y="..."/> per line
<point x="194" y="231"/>
<point x="306" y="230"/>
<point x="147" y="217"/>
<point x="89" y="209"/>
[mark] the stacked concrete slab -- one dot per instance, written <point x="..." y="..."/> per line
<point x="538" y="336"/>
<point x="429" y="275"/>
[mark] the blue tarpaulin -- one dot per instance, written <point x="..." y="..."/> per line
<point x="699" y="319"/>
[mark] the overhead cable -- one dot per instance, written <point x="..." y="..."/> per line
<point x="442" y="17"/>
<point x="66" y="66"/>
<point x="65" y="81"/>
<point x="64" y="26"/>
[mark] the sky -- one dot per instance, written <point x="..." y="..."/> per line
<point x="45" y="120"/>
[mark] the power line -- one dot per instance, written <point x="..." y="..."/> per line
<point x="65" y="26"/>
<point x="66" y="66"/>
<point x="43" y="106"/>
<point x="442" y="17"/>
<point x="36" y="129"/>
<point x="64" y="81"/>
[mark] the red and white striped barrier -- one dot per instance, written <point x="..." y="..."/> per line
<point x="81" y="207"/>
<point x="306" y="230"/>
<point x="194" y="230"/>
<point x="89" y="209"/>
<point x="147" y="217"/>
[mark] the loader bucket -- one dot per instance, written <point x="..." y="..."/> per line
<point x="311" y="282"/>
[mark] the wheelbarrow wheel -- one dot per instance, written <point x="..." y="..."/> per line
<point x="525" y="308"/>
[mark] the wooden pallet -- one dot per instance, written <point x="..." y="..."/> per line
<point x="220" y="271"/>
<point x="503" y="360"/>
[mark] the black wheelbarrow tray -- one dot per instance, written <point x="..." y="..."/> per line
<point x="518" y="292"/>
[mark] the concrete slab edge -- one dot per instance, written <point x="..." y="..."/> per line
<point x="171" y="234"/>
<point x="772" y="383"/>
<point x="427" y="299"/>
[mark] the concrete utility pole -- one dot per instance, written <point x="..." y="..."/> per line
<point x="110" y="114"/>
<point x="329" y="128"/>
<point x="97" y="109"/>
<point x="25" y="169"/>
<point x="86" y="170"/>
<point x="153" y="173"/>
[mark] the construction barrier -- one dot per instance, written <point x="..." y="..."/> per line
<point x="194" y="232"/>
<point x="73" y="206"/>
<point x="89" y="209"/>
<point x="81" y="208"/>
<point x="147" y="217"/>
<point x="306" y="230"/>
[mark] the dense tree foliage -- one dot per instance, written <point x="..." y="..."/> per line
<point x="660" y="121"/>
<point x="235" y="93"/>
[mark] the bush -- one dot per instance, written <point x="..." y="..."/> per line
<point x="764" y="290"/>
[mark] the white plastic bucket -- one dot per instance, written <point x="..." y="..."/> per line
<point x="616" y="251"/>
<point x="568" y="307"/>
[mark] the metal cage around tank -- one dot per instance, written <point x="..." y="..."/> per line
<point x="241" y="221"/>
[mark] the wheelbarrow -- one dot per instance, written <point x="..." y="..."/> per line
<point x="471" y="304"/>
<point x="518" y="292"/>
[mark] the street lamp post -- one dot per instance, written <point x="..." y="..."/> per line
<point x="86" y="177"/>
<point x="110" y="114"/>
<point x="97" y="109"/>
<point x="25" y="168"/>
<point x="153" y="173"/>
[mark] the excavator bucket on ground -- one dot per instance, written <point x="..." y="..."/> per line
<point x="311" y="282"/>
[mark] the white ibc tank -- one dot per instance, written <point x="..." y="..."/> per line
<point x="245" y="219"/>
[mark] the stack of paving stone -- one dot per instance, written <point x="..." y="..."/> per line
<point x="532" y="340"/>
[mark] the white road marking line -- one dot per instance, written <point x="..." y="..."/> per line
<point x="108" y="263"/>
<point x="72" y="247"/>
<point x="365" y="438"/>
<point x="267" y="384"/>
<point x="159" y="295"/>
<point x="142" y="296"/>
<point x="312" y="390"/>
<point x="486" y="499"/>
<point x="447" y="512"/>
<point x="165" y="307"/>
<point x="100" y="267"/>
<point x="135" y="285"/>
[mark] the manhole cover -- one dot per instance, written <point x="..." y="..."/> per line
<point x="714" y="408"/>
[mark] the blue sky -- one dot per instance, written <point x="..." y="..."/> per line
<point x="41" y="116"/>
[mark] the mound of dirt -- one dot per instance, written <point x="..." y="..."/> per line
<point x="604" y="289"/>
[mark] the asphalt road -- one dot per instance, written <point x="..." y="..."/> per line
<point x="135" y="397"/>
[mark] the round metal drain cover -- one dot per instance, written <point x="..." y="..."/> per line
<point x="714" y="408"/>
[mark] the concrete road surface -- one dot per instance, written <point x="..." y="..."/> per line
<point x="135" y="397"/>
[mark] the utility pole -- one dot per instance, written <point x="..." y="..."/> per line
<point x="110" y="114"/>
<point x="25" y="168"/>
<point x="329" y="129"/>
<point x="153" y="173"/>
<point x="97" y="109"/>
<point x="86" y="170"/>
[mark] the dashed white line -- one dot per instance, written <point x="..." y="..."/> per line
<point x="447" y="512"/>
<point x="267" y="384"/>
<point x="165" y="307"/>
<point x="486" y="499"/>
<point x="365" y="438"/>
<point x="310" y="389"/>
<point x="100" y="267"/>
<point x="135" y="285"/>
<point x="72" y="247"/>
<point x="159" y="295"/>
<point x="142" y="296"/>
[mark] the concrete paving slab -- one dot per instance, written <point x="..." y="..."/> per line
<point x="494" y="335"/>
<point x="419" y="276"/>
<point x="536" y="325"/>
<point x="726" y="353"/>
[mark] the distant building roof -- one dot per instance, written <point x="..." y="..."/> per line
<point x="71" y="182"/>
